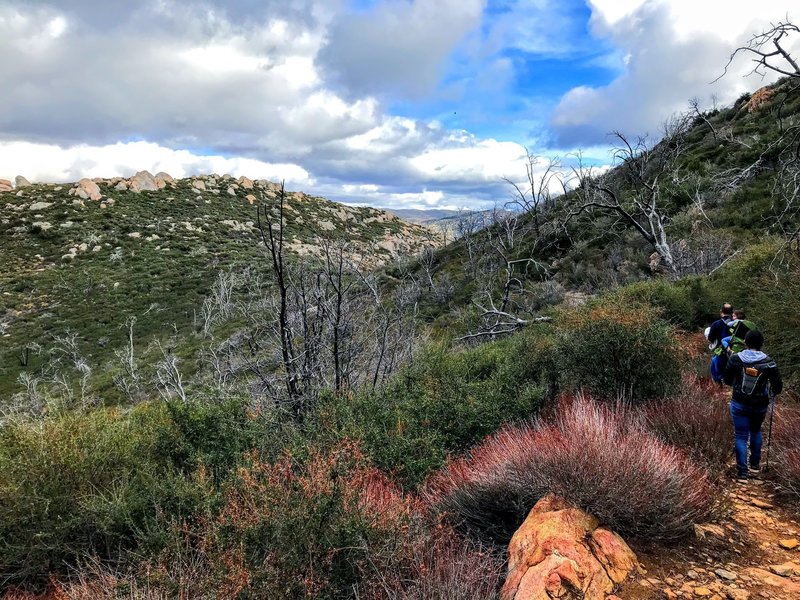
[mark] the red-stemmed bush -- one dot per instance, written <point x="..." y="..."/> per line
<point x="436" y="562"/>
<point x="599" y="457"/>
<point x="785" y="461"/>
<point x="696" y="419"/>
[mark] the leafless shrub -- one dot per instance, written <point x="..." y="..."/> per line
<point x="697" y="420"/>
<point x="442" y="565"/>
<point x="785" y="462"/>
<point x="599" y="457"/>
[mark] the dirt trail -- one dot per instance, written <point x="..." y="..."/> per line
<point x="753" y="553"/>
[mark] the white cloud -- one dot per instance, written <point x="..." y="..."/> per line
<point x="398" y="46"/>
<point x="673" y="49"/>
<point x="485" y="160"/>
<point x="295" y="89"/>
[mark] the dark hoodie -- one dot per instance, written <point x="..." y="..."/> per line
<point x="748" y="373"/>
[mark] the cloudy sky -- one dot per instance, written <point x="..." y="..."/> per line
<point x="399" y="103"/>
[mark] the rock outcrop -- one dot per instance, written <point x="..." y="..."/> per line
<point x="245" y="182"/>
<point x="86" y="189"/>
<point x="21" y="182"/>
<point x="162" y="179"/>
<point x="561" y="552"/>
<point x="5" y="185"/>
<point x="143" y="181"/>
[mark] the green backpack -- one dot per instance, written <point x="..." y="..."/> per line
<point x="738" y="329"/>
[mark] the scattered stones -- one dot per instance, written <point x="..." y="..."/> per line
<point x="21" y="182"/>
<point x="199" y="184"/>
<point x="40" y="205"/>
<point x="709" y="529"/>
<point x="789" y="544"/>
<point x="135" y="235"/>
<point x="41" y="225"/>
<point x="250" y="198"/>
<point x="767" y="578"/>
<point x="761" y="504"/>
<point x="121" y="186"/>
<point x="237" y="226"/>
<point x="702" y="592"/>
<point x="725" y="574"/>
<point x="231" y="190"/>
<point x="737" y="594"/>
<point x="787" y="569"/>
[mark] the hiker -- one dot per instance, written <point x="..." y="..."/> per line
<point x="754" y="377"/>
<point x="715" y="334"/>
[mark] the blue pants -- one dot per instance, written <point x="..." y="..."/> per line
<point x="717" y="367"/>
<point x="747" y="422"/>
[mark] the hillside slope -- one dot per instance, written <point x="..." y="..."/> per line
<point x="85" y="265"/>
<point x="728" y="184"/>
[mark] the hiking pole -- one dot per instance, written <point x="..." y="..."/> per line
<point x="769" y="435"/>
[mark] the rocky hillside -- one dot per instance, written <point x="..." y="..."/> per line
<point x="83" y="257"/>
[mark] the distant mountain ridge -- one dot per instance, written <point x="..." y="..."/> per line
<point x="86" y="256"/>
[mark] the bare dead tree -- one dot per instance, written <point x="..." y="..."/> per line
<point x="504" y="255"/>
<point x="634" y="191"/>
<point x="272" y="235"/>
<point x="168" y="378"/>
<point x="537" y="193"/>
<point x="768" y="51"/>
<point x="698" y="114"/>
<point x="129" y="381"/>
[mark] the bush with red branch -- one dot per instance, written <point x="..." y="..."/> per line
<point x="785" y="462"/>
<point x="696" y="419"/>
<point x="597" y="456"/>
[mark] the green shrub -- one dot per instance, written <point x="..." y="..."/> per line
<point x="686" y="303"/>
<point x="444" y="402"/>
<point x="214" y="434"/>
<point x="85" y="484"/>
<point x="618" y="351"/>
<point x="309" y="527"/>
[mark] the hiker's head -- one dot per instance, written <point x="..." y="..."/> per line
<point x="726" y="310"/>
<point x="739" y="314"/>
<point x="754" y="339"/>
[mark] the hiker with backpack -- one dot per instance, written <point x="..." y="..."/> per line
<point x="719" y="330"/>
<point x="755" y="379"/>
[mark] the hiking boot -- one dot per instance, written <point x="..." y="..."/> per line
<point x="754" y="471"/>
<point x="741" y="479"/>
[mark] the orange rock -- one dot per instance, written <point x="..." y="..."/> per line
<point x="559" y="551"/>
<point x="789" y="544"/>
<point x="613" y="553"/>
<point x="764" y="576"/>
